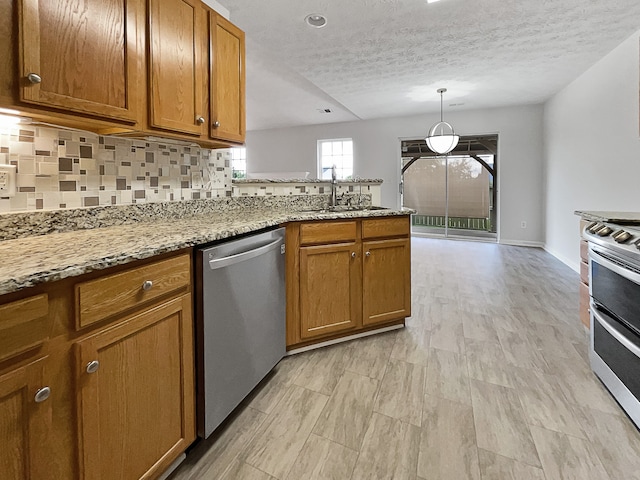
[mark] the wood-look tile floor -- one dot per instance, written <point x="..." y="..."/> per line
<point x="488" y="381"/>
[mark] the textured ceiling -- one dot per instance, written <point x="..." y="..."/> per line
<point x="379" y="58"/>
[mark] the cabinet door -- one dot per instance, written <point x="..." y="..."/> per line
<point x="386" y="280"/>
<point x="176" y="72"/>
<point x="80" y="56"/>
<point x="137" y="403"/>
<point x="24" y="423"/>
<point x="329" y="289"/>
<point x="227" y="83"/>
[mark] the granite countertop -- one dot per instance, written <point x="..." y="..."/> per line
<point x="37" y="259"/>
<point x="304" y="180"/>
<point x="622" y="218"/>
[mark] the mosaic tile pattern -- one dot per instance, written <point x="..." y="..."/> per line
<point x="59" y="169"/>
<point x="266" y="188"/>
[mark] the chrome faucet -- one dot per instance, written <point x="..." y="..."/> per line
<point x="334" y="185"/>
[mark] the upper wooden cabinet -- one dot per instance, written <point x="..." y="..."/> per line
<point x="177" y="76"/>
<point x="227" y="80"/>
<point x="168" y="68"/>
<point x="80" y="56"/>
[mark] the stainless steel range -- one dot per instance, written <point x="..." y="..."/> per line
<point x="614" y="286"/>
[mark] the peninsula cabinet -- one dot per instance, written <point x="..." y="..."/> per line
<point x="330" y="288"/>
<point x="98" y="393"/>
<point x="345" y="277"/>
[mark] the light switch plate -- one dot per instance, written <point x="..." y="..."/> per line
<point x="7" y="180"/>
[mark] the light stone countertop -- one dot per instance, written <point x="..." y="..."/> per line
<point x="240" y="181"/>
<point x="622" y="218"/>
<point x="45" y="258"/>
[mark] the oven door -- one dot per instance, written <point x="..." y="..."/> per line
<point x="615" y="359"/>
<point x="614" y="284"/>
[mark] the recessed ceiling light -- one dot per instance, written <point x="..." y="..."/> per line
<point x="432" y="1"/>
<point x="315" y="20"/>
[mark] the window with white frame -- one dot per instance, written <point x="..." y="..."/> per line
<point x="338" y="152"/>
<point x="239" y="162"/>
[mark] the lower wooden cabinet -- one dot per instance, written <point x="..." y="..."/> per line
<point x="329" y="289"/>
<point x="386" y="280"/>
<point x="110" y="400"/>
<point x="25" y="422"/>
<point x="136" y="393"/>
<point x="585" y="315"/>
<point x="346" y="276"/>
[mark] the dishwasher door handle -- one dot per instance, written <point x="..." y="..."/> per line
<point x="241" y="257"/>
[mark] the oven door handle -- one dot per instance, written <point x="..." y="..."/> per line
<point x="599" y="316"/>
<point x="623" y="272"/>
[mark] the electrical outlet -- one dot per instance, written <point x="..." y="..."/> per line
<point x="523" y="224"/>
<point x="7" y="180"/>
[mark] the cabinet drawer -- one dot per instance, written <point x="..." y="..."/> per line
<point x="385" y="227"/>
<point x="584" y="273"/>
<point x="24" y="324"/>
<point x="104" y="297"/>
<point x="584" y="251"/>
<point x="327" y="232"/>
<point x="584" y="305"/>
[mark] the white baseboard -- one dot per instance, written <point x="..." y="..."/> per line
<point x="344" y="339"/>
<point x="521" y="243"/>
<point x="572" y="265"/>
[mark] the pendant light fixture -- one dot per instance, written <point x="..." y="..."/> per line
<point x="441" y="138"/>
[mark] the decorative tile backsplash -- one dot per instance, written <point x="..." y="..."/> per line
<point x="59" y="168"/>
<point x="266" y="188"/>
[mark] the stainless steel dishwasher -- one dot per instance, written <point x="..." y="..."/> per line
<point x="240" y="321"/>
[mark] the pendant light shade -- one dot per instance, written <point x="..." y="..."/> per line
<point x="442" y="138"/>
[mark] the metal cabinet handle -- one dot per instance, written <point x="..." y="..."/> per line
<point x="216" y="124"/>
<point x="146" y="285"/>
<point x="92" y="366"/>
<point x="199" y="120"/>
<point x="42" y="394"/>
<point x="34" y="78"/>
<point x="368" y="254"/>
<point x="353" y="254"/>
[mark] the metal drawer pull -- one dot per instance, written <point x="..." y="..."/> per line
<point x="200" y="120"/>
<point x="42" y="394"/>
<point x="353" y="254"/>
<point x="34" y="78"/>
<point x="216" y="124"/>
<point x="92" y="366"/>
<point x="368" y="254"/>
<point x="146" y="285"/>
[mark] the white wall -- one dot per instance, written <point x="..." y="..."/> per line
<point x="592" y="148"/>
<point x="377" y="155"/>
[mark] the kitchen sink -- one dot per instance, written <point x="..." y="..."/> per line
<point x="344" y="208"/>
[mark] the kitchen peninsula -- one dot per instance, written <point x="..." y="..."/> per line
<point x="107" y="293"/>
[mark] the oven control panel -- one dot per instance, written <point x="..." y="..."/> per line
<point x="625" y="238"/>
